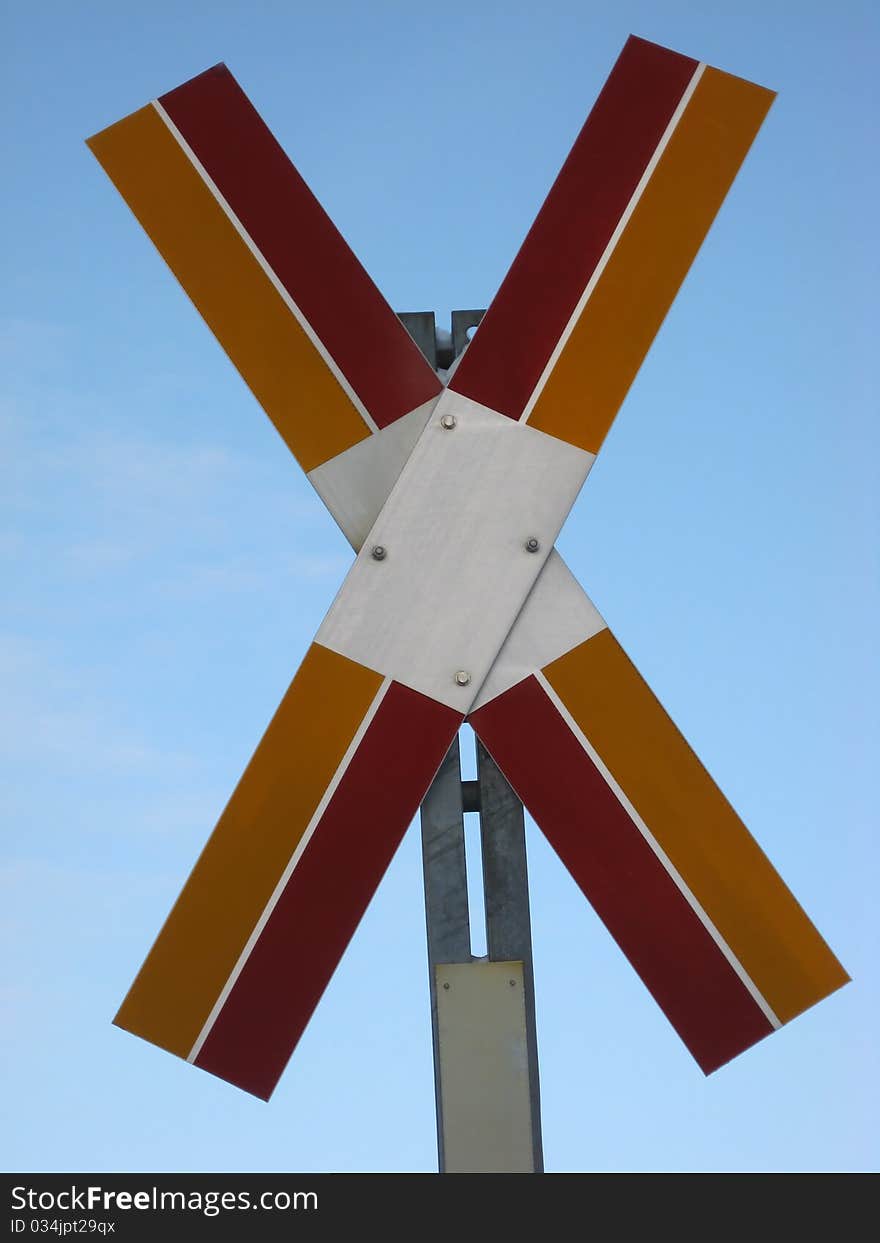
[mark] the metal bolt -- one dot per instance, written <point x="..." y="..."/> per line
<point x="462" y="677"/>
<point x="378" y="553"/>
<point x="513" y="983"/>
<point x="532" y="545"/>
<point x="446" y="986"/>
<point x="448" y="422"/>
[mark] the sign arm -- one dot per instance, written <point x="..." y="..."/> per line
<point x="260" y="925"/>
<point x="612" y="243"/>
<point x="263" y="264"/>
<point x="702" y="915"/>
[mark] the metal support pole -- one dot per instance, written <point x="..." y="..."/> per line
<point x="482" y="1009"/>
<point x="508" y="921"/>
<point x="446" y="896"/>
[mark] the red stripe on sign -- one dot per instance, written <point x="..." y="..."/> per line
<point x="553" y="267"/>
<point x="301" y="245"/>
<point x="306" y="935"/>
<point x="629" y="888"/>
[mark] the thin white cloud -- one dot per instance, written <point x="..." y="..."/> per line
<point x="51" y="717"/>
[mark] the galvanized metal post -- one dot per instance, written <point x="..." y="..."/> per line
<point x="446" y="898"/>
<point x="506" y="892"/>
<point x="482" y="1009"/>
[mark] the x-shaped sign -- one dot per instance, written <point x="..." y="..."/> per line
<point x="456" y="605"/>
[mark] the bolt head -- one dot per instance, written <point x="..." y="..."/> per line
<point x="532" y="544"/>
<point x="378" y="553"/>
<point x="462" y="677"/>
<point x="446" y="986"/>
<point x="448" y="422"/>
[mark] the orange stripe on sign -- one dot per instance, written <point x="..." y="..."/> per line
<point x="606" y="347"/>
<point x="689" y="817"/>
<point x="245" y="856"/>
<point x="237" y="300"/>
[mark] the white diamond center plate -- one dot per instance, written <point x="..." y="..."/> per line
<point x="456" y="570"/>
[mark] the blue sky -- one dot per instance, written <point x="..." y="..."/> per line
<point x="166" y="565"/>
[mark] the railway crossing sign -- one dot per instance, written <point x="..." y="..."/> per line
<point x="452" y="490"/>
